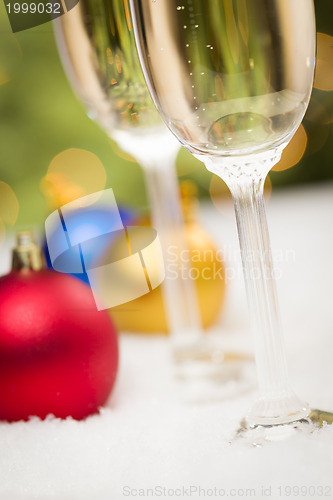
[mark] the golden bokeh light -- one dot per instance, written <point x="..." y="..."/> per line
<point x="268" y="189"/>
<point x="324" y="67"/>
<point x="72" y="174"/>
<point x="294" y="152"/>
<point x="9" y="205"/>
<point x="10" y="56"/>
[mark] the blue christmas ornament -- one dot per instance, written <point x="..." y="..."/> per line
<point x="95" y="220"/>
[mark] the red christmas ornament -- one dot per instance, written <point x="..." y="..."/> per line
<point x="58" y="354"/>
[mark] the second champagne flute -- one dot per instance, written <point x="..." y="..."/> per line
<point x="97" y="46"/>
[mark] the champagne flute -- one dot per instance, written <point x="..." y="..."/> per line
<point x="232" y="79"/>
<point x="97" y="46"/>
<point x="96" y="42"/>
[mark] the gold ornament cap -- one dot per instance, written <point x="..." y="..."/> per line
<point x="27" y="255"/>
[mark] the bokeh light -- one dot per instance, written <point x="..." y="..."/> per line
<point x="324" y="67"/>
<point x="72" y="174"/>
<point x="9" y="205"/>
<point x="268" y="188"/>
<point x="295" y="150"/>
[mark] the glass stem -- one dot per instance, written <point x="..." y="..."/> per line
<point x="179" y="293"/>
<point x="156" y="152"/>
<point x="277" y="403"/>
<point x="260" y="286"/>
<point x="277" y="400"/>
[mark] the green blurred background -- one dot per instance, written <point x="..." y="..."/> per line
<point x="40" y="117"/>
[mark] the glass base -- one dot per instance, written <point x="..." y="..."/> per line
<point x="258" y="435"/>
<point x="284" y="408"/>
<point x="210" y="361"/>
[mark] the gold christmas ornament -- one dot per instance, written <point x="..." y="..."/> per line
<point x="200" y="262"/>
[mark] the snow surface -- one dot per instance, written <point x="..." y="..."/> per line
<point x="161" y="432"/>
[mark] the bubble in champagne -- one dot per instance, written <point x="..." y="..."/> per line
<point x="239" y="130"/>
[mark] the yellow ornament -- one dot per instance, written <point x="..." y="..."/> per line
<point x="147" y="314"/>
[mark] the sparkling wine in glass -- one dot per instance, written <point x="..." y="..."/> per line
<point x="232" y="80"/>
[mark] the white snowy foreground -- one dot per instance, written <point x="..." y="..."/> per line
<point x="160" y="437"/>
